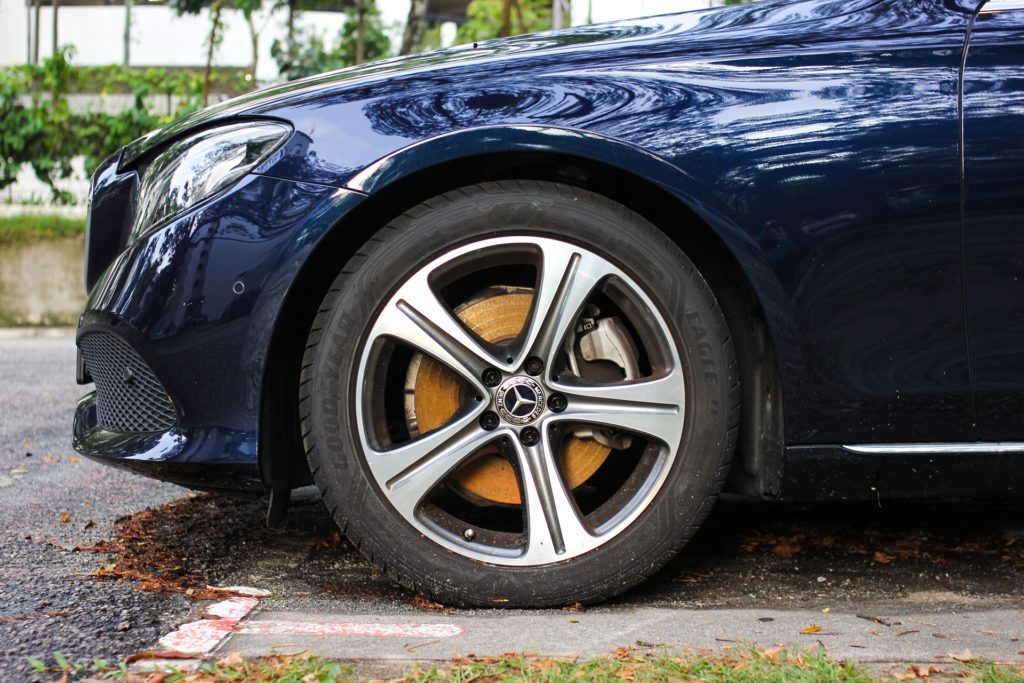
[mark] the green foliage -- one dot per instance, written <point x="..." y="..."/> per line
<point x="39" y="128"/>
<point x="308" y="53"/>
<point x="484" y="17"/>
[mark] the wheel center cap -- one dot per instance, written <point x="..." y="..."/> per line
<point x="519" y="400"/>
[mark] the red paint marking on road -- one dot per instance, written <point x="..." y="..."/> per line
<point x="200" y="637"/>
<point x="348" y="628"/>
<point x="233" y="608"/>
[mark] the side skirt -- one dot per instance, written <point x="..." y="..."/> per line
<point x="957" y="471"/>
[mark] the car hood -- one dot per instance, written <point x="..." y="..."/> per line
<point x="716" y="24"/>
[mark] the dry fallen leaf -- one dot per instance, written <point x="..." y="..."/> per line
<point x="877" y="620"/>
<point x="622" y="653"/>
<point x="65" y="517"/>
<point x="965" y="656"/>
<point x="786" y="549"/>
<point x="810" y="629"/>
<point x="139" y="656"/>
<point x="232" y="659"/>
<point x="422" y="602"/>
<point x="883" y="558"/>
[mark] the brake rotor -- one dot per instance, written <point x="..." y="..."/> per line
<point x="434" y="394"/>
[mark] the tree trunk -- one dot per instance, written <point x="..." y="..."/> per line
<point x="56" y="9"/>
<point x="506" y="19"/>
<point x="214" y="30"/>
<point x="28" y="36"/>
<point x="360" y="30"/>
<point x="35" y="42"/>
<point x="415" y="24"/>
<point x="293" y="7"/>
<point x="523" y="28"/>
<point x="254" y="37"/>
<point x="127" y="31"/>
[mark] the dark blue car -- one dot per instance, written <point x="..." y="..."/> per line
<point x="523" y="309"/>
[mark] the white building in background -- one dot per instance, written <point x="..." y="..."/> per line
<point x="161" y="38"/>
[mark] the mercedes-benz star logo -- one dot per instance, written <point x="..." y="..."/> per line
<point x="519" y="400"/>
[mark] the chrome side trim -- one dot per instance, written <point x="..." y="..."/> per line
<point x="969" y="447"/>
<point x="1002" y="6"/>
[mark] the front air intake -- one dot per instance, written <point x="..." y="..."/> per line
<point x="129" y="397"/>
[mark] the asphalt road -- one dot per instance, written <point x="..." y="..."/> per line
<point x="48" y="600"/>
<point x="940" y="577"/>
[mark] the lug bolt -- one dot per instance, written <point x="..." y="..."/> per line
<point x="469" y="534"/>
<point x="529" y="436"/>
<point x="557" y="403"/>
<point x="491" y="377"/>
<point x="533" y="366"/>
<point x="489" y="420"/>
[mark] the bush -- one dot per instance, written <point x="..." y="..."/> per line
<point x="45" y="134"/>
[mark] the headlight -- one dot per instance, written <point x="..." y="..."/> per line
<point x="200" y="166"/>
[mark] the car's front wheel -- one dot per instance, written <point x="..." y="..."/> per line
<point x="519" y="394"/>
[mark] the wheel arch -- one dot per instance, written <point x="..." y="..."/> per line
<point x="616" y="170"/>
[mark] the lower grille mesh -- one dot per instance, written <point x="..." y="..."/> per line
<point x="129" y="397"/>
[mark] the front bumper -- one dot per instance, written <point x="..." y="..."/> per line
<point x="186" y="457"/>
<point x="196" y="302"/>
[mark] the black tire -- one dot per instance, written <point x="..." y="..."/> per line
<point x="668" y="278"/>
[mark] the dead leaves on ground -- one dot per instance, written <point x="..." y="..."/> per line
<point x="425" y="603"/>
<point x="912" y="673"/>
<point x="164" y="548"/>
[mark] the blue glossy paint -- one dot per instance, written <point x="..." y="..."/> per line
<point x="818" y="139"/>
<point x="174" y="296"/>
<point x="993" y="228"/>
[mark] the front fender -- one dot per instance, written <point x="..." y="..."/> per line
<point x="488" y="141"/>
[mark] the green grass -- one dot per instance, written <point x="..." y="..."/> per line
<point x="35" y="226"/>
<point x="740" y="665"/>
<point x="747" y="665"/>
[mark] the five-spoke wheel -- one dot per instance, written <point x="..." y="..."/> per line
<point x="519" y="394"/>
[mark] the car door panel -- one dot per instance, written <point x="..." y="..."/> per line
<point x="993" y="111"/>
